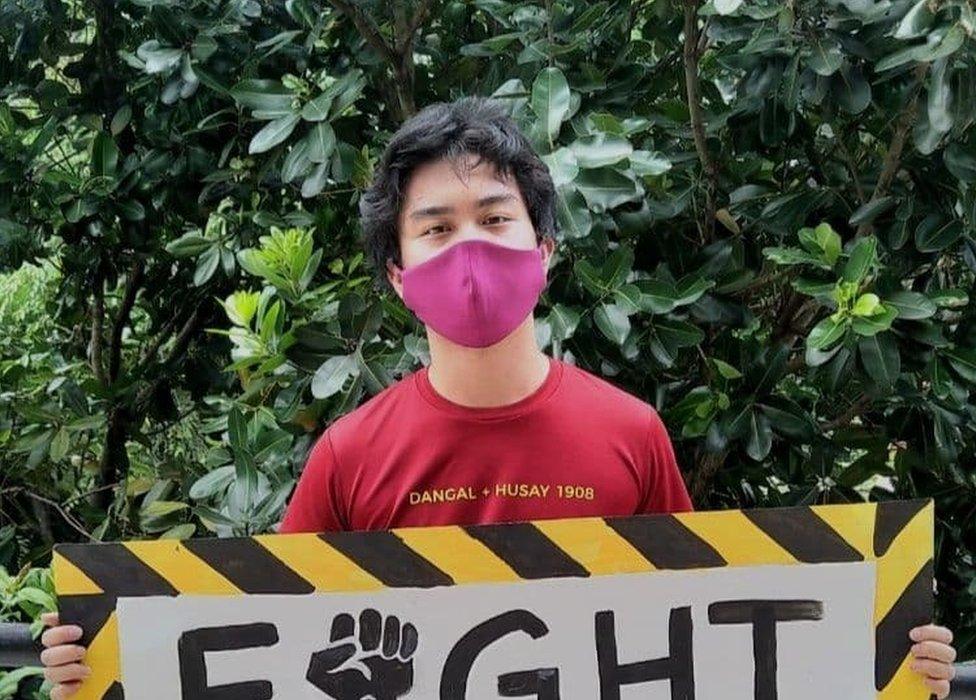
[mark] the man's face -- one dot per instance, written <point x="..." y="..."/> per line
<point x="441" y="209"/>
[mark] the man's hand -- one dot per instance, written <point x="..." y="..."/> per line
<point x="61" y="658"/>
<point x="934" y="656"/>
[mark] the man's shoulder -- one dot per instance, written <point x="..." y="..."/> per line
<point x="374" y="412"/>
<point x="600" y="388"/>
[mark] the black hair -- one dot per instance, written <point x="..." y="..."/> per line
<point x="473" y="125"/>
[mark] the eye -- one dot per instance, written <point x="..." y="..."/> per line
<point x="500" y="218"/>
<point x="433" y="230"/>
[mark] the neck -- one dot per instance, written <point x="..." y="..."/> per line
<point x="499" y="375"/>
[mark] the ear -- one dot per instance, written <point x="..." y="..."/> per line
<point x="395" y="275"/>
<point x="548" y="247"/>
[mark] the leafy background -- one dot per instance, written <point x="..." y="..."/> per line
<point x="767" y="215"/>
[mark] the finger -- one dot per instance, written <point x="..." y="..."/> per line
<point x="68" y="672"/>
<point x="935" y="651"/>
<point x="343" y="626"/>
<point x="63" y="654"/>
<point x="933" y="633"/>
<point x="370" y="627"/>
<point x="391" y="636"/>
<point x="50" y="619"/>
<point x="329" y="659"/>
<point x="65" y="690"/>
<point x="62" y="634"/>
<point x="940" y="688"/>
<point x="408" y="641"/>
<point x="934" y="669"/>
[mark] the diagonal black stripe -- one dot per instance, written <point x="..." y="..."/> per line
<point x="115" y="569"/>
<point x="114" y="692"/>
<point x="890" y="518"/>
<point x="249" y="566"/>
<point x="666" y="542"/>
<point x="529" y="552"/>
<point x="87" y="611"/>
<point x="388" y="558"/>
<point x="892" y="643"/>
<point x="804" y="535"/>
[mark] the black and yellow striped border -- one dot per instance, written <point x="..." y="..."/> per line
<point x="897" y="535"/>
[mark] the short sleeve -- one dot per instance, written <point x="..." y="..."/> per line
<point x="666" y="492"/>
<point x="314" y="506"/>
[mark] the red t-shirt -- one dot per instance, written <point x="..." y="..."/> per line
<point x="577" y="446"/>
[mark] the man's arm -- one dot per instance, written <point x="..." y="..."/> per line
<point x="314" y="506"/>
<point x="666" y="490"/>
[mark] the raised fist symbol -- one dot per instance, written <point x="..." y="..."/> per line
<point x="376" y="664"/>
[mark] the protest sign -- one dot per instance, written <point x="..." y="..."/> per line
<point x="794" y="603"/>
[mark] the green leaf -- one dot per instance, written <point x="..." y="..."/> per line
<point x="825" y="57"/>
<point x="871" y="325"/>
<point x="911" y="306"/>
<point x="795" y="256"/>
<point x="613" y="322"/>
<point x="760" y="437"/>
<point x="104" y="156"/>
<point x="273" y="133"/>
<point x="823" y="242"/>
<point x="572" y="213"/>
<point x="267" y="96"/>
<point x="866" y="305"/>
<point x="158" y="509"/>
<point x="930" y="237"/>
<point x="963" y="361"/>
<point x="960" y="161"/>
<point x="332" y="375"/>
<point x="550" y="100"/>
<point x="297" y="162"/>
<point x="949" y="298"/>
<point x="562" y="166"/>
<point x="649" y="163"/>
<point x="321" y="141"/>
<point x="678" y="334"/>
<point x="826" y="333"/>
<point x="879" y="354"/>
<point x="862" y="259"/>
<point x="315" y="181"/>
<point x="212" y="482"/>
<point x="725" y="369"/>
<point x="916" y="21"/>
<point x="563" y="321"/>
<point x="158" y="58"/>
<point x="939" y="101"/>
<point x="606" y="188"/>
<point x="657" y="297"/>
<point x="869" y="211"/>
<point x="206" y="266"/>
<point x="600" y="150"/>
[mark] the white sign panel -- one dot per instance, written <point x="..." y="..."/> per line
<point x="708" y="635"/>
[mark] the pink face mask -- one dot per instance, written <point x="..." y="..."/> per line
<point x="475" y="293"/>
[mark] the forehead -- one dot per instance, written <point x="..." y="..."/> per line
<point x="444" y="182"/>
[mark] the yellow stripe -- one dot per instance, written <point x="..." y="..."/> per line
<point x="318" y="563"/>
<point x="185" y="571"/>
<point x="70" y="580"/>
<point x="908" y="553"/>
<point x="102" y="657"/>
<point x="906" y="684"/>
<point x="458" y="554"/>
<point x="736" y="538"/>
<point x="853" y="522"/>
<point x="592" y="543"/>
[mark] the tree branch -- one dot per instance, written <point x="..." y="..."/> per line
<point x="98" y="317"/>
<point x="692" y="88"/>
<point x="132" y="283"/>
<point x="892" y="160"/>
<point x="855" y="409"/>
<point x="367" y="28"/>
<point x="180" y="346"/>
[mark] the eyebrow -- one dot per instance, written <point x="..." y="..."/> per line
<point x="483" y="202"/>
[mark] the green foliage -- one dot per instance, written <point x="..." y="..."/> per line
<point x="767" y="218"/>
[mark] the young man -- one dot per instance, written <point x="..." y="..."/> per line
<point x="461" y="216"/>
